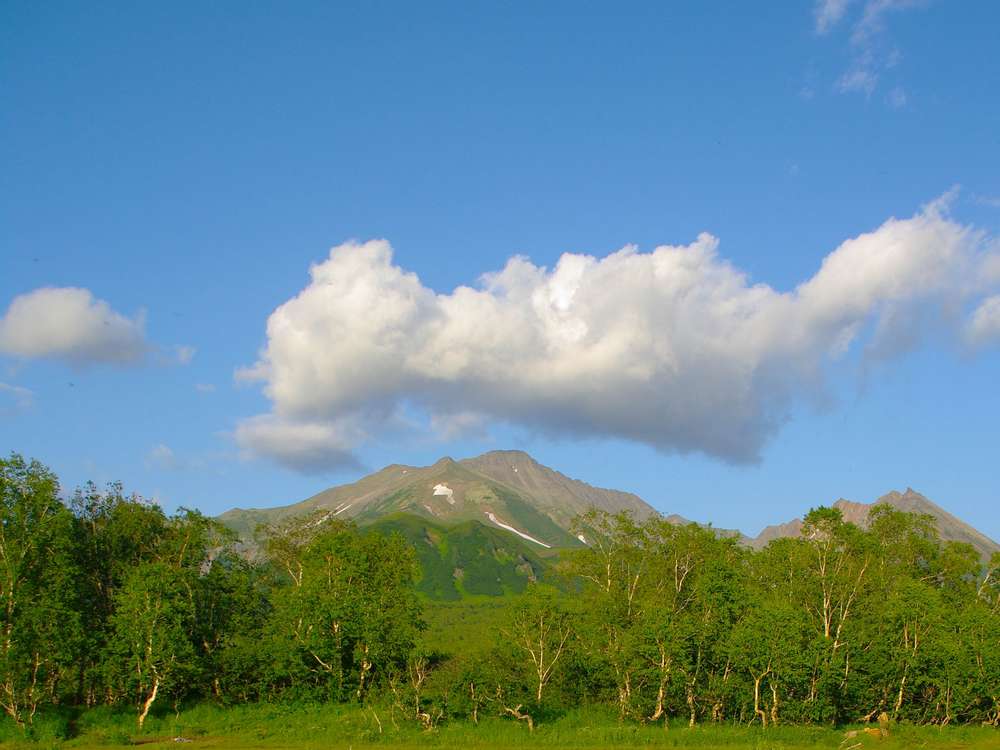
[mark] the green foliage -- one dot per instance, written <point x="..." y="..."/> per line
<point x="409" y="631"/>
<point x="348" y="613"/>
<point x="40" y="623"/>
<point x="152" y="621"/>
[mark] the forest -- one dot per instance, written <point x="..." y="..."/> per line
<point x="106" y="601"/>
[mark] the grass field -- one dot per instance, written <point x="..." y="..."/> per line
<point x="326" y="726"/>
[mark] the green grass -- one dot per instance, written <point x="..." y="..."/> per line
<point x="466" y="627"/>
<point x="332" y="726"/>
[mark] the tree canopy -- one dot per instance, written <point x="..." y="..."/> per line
<point x="107" y="600"/>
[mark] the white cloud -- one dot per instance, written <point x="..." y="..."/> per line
<point x="204" y="387"/>
<point x="984" y="326"/>
<point x="164" y="458"/>
<point x="466" y="424"/>
<point x="859" y="80"/>
<point x="300" y="444"/>
<point x="70" y="324"/>
<point x="14" y="399"/>
<point x="674" y="348"/>
<point x="828" y="13"/>
<point x="872" y="21"/>
<point x="871" y="52"/>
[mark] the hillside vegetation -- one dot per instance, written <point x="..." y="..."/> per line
<point x="468" y="559"/>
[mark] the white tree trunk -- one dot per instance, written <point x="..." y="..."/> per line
<point x="149" y="701"/>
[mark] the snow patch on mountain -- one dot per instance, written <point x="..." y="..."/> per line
<point x="446" y="492"/>
<point x="521" y="534"/>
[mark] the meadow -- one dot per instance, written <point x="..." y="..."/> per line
<point x="308" y="726"/>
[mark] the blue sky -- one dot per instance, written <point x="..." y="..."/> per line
<point x="187" y="163"/>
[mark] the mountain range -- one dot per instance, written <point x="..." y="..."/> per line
<point x="506" y="490"/>
<point x="950" y="528"/>
<point x="488" y="525"/>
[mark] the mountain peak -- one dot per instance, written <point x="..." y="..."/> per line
<point x="502" y="489"/>
<point x="510" y="455"/>
<point x="949" y="527"/>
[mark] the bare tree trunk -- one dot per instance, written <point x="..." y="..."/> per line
<point x="661" y="693"/>
<point x="517" y="714"/>
<point x="774" y="704"/>
<point x="624" y="694"/>
<point x="149" y="702"/>
<point x="691" y="704"/>
<point x="9" y="702"/>
<point x="757" y="710"/>
<point x="899" y="696"/>
<point x="756" y="701"/>
<point x="365" y="669"/>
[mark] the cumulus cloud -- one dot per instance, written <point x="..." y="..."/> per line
<point x="70" y="324"/>
<point x="14" y="399"/>
<point x="674" y="348"/>
<point x="309" y="446"/>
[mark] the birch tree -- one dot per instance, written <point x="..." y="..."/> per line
<point x="614" y="569"/>
<point x="540" y="629"/>
<point x="39" y="605"/>
<point x="153" y="622"/>
<point x="349" y="612"/>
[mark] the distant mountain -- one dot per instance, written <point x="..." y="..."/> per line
<point x="505" y="490"/>
<point x="950" y="528"/>
<point x="514" y="510"/>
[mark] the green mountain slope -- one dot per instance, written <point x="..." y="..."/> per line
<point x="467" y="559"/>
<point x="505" y="490"/>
